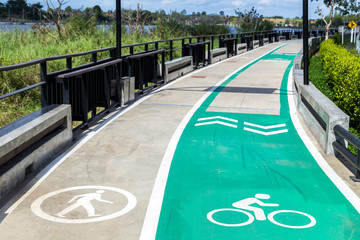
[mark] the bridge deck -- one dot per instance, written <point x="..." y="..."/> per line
<point x="187" y="161"/>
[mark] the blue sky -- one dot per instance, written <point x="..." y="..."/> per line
<point x="286" y="8"/>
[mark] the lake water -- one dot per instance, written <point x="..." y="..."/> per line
<point x="23" y="27"/>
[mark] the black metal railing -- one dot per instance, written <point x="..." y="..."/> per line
<point x="88" y="89"/>
<point x="144" y="67"/>
<point x="343" y="135"/>
<point x="140" y="60"/>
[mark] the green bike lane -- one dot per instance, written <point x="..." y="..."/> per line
<point x="222" y="158"/>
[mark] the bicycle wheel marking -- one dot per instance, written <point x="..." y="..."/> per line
<point x="311" y="224"/>
<point x="211" y="219"/>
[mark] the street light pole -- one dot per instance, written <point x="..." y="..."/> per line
<point x="118" y="29"/>
<point x="306" y="40"/>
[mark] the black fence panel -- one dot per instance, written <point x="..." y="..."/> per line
<point x="197" y="51"/>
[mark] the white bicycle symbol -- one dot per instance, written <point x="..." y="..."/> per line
<point x="259" y="213"/>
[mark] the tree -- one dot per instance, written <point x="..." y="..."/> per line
<point x="183" y="12"/>
<point x="55" y="13"/>
<point x="17" y="6"/>
<point x="266" y="25"/>
<point x="343" y="6"/>
<point x="248" y="20"/>
<point x="36" y="10"/>
<point x="2" y="10"/>
<point x="222" y="13"/>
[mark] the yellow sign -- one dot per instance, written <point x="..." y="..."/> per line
<point x="352" y="25"/>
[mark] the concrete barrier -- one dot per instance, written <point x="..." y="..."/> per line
<point x="298" y="62"/>
<point x="217" y="55"/>
<point x="282" y="38"/>
<point x="319" y="113"/>
<point x="266" y="41"/>
<point x="178" y="67"/>
<point x="294" y="37"/>
<point x="30" y="142"/>
<point x="127" y="90"/>
<point x="256" y="44"/>
<point x="241" y="48"/>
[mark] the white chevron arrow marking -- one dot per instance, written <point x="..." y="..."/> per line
<point x="218" y="117"/>
<point x="216" y="122"/>
<point x="266" y="133"/>
<point x="265" y="127"/>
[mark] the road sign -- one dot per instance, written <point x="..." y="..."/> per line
<point x="352" y="25"/>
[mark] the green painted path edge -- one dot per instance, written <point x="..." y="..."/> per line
<point x="217" y="89"/>
<point x="154" y="208"/>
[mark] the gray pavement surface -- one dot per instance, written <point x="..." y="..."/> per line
<point x="126" y="155"/>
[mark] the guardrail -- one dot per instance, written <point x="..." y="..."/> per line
<point x="340" y="147"/>
<point x="323" y="117"/>
<point x="52" y="90"/>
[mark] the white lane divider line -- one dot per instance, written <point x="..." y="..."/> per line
<point x="265" y="127"/>
<point x="216" y="122"/>
<point x="266" y="133"/>
<point x="218" y="117"/>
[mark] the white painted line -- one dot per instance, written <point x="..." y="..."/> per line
<point x="149" y="229"/>
<point x="216" y="122"/>
<point x="38" y="179"/>
<point x="265" y="127"/>
<point x="339" y="183"/>
<point x="218" y="117"/>
<point x="266" y="133"/>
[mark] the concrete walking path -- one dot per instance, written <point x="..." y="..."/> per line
<point x="213" y="155"/>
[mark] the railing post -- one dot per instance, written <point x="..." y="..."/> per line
<point x="171" y="50"/>
<point x="157" y="46"/>
<point x="357" y="174"/>
<point x="112" y="54"/>
<point x="69" y="63"/>
<point x="212" y="42"/>
<point x="44" y="88"/>
<point x="163" y="65"/>
<point x="94" y="57"/>
<point x="146" y="47"/>
<point x="131" y="50"/>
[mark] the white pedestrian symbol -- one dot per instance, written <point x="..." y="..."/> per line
<point x="45" y="205"/>
<point x="258" y="212"/>
<point x="84" y="200"/>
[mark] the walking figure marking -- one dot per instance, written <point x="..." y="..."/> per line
<point x="258" y="212"/>
<point x="84" y="201"/>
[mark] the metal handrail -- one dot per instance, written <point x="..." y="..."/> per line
<point x="349" y="156"/>
<point x="90" y="69"/>
<point x="22" y="90"/>
<point x="42" y="60"/>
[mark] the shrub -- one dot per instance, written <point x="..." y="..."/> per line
<point x="343" y="70"/>
<point x="337" y="39"/>
<point x="207" y="28"/>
